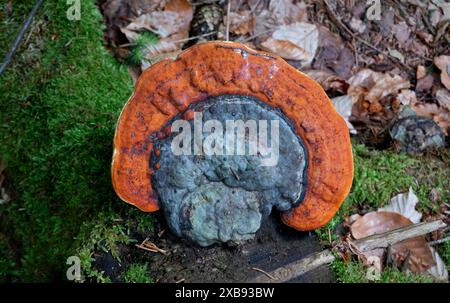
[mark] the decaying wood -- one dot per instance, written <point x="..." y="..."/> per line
<point x="394" y="236"/>
<point x="384" y="240"/>
<point x="296" y="268"/>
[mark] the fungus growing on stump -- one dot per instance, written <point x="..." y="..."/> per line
<point x="222" y="135"/>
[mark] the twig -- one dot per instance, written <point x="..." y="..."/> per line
<point x="20" y="36"/>
<point x="394" y="236"/>
<point x="150" y="246"/>
<point x="181" y="280"/>
<point x="264" y="272"/>
<point x="177" y="41"/>
<point x="439" y="241"/>
<point x="295" y="269"/>
<point x="227" y="35"/>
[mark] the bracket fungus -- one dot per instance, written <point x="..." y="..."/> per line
<point x="172" y="138"/>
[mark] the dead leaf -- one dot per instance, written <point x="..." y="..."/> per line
<point x="439" y="114"/>
<point x="443" y="98"/>
<point x="286" y="12"/>
<point x="241" y="23"/>
<point x="396" y="54"/>
<point x="425" y="84"/>
<point x="332" y="55"/>
<point x="404" y="204"/>
<point x="297" y="41"/>
<point x="407" y="97"/>
<point x="373" y="85"/>
<point x="175" y="18"/>
<point x="421" y="72"/>
<point x="327" y="80"/>
<point x="343" y="106"/>
<point x="439" y="271"/>
<point x="401" y="31"/>
<point x="443" y="63"/>
<point x="357" y="25"/>
<point x="387" y="22"/>
<point x="415" y="251"/>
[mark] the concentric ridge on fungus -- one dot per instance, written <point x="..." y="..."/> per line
<point x="226" y="68"/>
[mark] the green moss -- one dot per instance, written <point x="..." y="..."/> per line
<point x="355" y="272"/>
<point x="137" y="273"/>
<point x="57" y="119"/>
<point x="137" y="51"/>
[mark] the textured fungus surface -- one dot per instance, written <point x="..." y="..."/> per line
<point x="218" y="68"/>
<point x="417" y="134"/>
<point x="220" y="198"/>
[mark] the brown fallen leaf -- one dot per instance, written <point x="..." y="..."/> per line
<point x="415" y="251"/>
<point x="443" y="98"/>
<point x="276" y="14"/>
<point x="443" y="63"/>
<point x="407" y="97"/>
<point x="171" y="25"/>
<point x="401" y="32"/>
<point x="425" y="84"/>
<point x="440" y="115"/>
<point x="343" y="106"/>
<point x="421" y="72"/>
<point x="327" y="80"/>
<point x="374" y="85"/>
<point x="241" y="23"/>
<point x="175" y="18"/>
<point x="297" y="41"/>
<point x="286" y="12"/>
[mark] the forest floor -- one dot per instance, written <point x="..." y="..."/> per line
<point x="60" y="100"/>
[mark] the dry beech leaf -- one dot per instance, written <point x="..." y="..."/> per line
<point x="401" y="32"/>
<point x="415" y="251"/>
<point x="439" y="271"/>
<point x="327" y="80"/>
<point x="374" y="85"/>
<point x="443" y="98"/>
<point x="287" y="12"/>
<point x="407" y="97"/>
<point x="241" y="23"/>
<point x="405" y="205"/>
<point x="421" y="72"/>
<point x="343" y="106"/>
<point x="396" y="54"/>
<point x="440" y="115"/>
<point x="172" y="26"/>
<point x="443" y="63"/>
<point x="278" y="13"/>
<point x="297" y="41"/>
<point x="175" y="18"/>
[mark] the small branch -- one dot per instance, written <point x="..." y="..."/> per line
<point x="394" y="236"/>
<point x="150" y="246"/>
<point x="20" y="36"/>
<point x="227" y="35"/>
<point x="439" y="241"/>
<point x="264" y="272"/>
<point x="295" y="269"/>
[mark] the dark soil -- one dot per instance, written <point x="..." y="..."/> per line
<point x="275" y="245"/>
